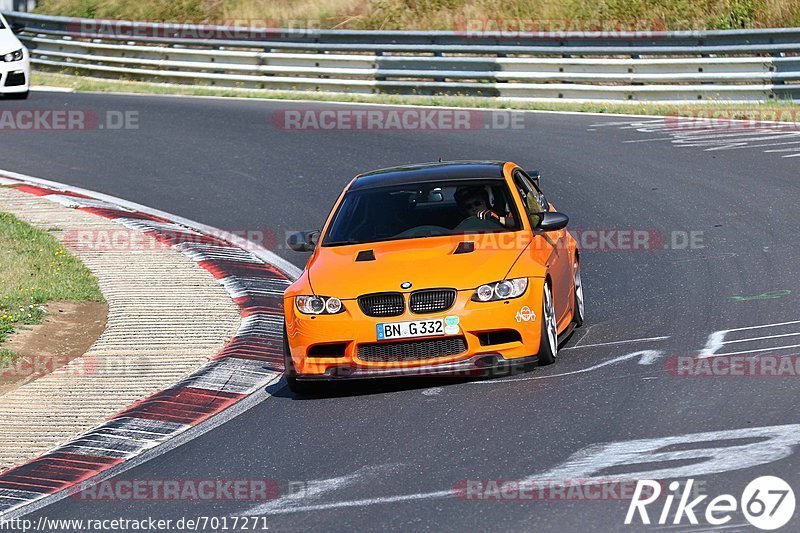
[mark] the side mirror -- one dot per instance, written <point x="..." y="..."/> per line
<point x="551" y="221"/>
<point x="535" y="176"/>
<point x="17" y="27"/>
<point x="303" y="241"/>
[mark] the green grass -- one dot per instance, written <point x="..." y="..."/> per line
<point x="6" y="357"/>
<point x="35" y="269"/>
<point x="744" y="111"/>
<point x="442" y="14"/>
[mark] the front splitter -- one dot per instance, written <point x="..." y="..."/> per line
<point x="484" y="365"/>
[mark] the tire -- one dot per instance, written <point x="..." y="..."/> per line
<point x="548" y="346"/>
<point x="17" y="96"/>
<point x="578" y="308"/>
<point x="297" y="387"/>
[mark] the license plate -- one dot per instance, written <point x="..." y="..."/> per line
<point x="416" y="328"/>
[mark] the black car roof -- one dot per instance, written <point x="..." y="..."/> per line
<point x="429" y="172"/>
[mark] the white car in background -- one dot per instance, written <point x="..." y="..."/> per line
<point x="15" y="65"/>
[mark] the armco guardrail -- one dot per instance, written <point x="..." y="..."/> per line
<point x="740" y="65"/>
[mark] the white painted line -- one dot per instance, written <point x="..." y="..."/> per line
<point x="631" y="124"/>
<point x="259" y="251"/>
<point x="360" y="503"/>
<point x="793" y="149"/>
<point x="293" y="502"/>
<point x="617" y="342"/>
<point x="647" y="357"/>
<point x="744" y="141"/>
<point x="673" y="457"/>
<point x="716" y="339"/>
<point x="762" y="338"/>
<point x="763" y="326"/>
<point x="759" y="350"/>
<point x="723" y="136"/>
<point x="714" y="449"/>
<point x="678" y="123"/>
<point x="49" y="89"/>
<point x="763" y="145"/>
<point x="711" y="139"/>
<point x="648" y="140"/>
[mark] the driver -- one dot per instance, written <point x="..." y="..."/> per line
<point x="474" y="200"/>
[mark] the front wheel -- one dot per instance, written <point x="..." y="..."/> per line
<point x="17" y="96"/>
<point x="548" y="346"/>
<point x="577" y="306"/>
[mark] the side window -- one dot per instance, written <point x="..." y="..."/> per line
<point x="542" y="200"/>
<point x="534" y="200"/>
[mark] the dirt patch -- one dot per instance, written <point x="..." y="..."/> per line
<point x="68" y="330"/>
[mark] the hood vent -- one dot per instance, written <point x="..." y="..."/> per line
<point x="365" y="255"/>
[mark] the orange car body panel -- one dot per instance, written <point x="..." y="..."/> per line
<point x="430" y="263"/>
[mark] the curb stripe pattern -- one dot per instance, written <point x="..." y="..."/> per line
<point x="251" y="360"/>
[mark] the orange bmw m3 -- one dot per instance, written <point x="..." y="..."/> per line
<point x="455" y="268"/>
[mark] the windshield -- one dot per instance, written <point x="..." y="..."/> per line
<point x="423" y="210"/>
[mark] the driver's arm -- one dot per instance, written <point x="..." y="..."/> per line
<point x="505" y="221"/>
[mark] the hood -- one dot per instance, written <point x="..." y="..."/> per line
<point x="8" y="41"/>
<point x="426" y="263"/>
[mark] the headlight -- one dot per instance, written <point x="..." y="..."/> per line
<point x="501" y="290"/>
<point x="13" y="56"/>
<point x="318" y="305"/>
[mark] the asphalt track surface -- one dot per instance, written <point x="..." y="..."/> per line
<point x="394" y="450"/>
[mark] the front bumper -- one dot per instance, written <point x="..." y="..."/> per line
<point x="353" y="328"/>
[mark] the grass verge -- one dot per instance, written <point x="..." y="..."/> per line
<point x="785" y="110"/>
<point x="6" y="356"/>
<point x="35" y="269"/>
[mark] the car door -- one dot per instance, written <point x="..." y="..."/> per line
<point x="552" y="246"/>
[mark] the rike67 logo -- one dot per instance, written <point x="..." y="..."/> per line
<point x="767" y="503"/>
